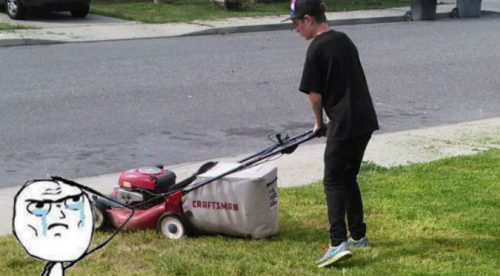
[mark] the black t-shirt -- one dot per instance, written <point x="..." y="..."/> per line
<point x="332" y="68"/>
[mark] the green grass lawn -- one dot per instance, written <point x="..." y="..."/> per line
<point x="436" y="218"/>
<point x="5" y="27"/>
<point x="189" y="10"/>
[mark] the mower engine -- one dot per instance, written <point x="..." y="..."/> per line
<point x="138" y="185"/>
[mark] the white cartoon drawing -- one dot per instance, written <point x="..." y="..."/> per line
<point x="54" y="221"/>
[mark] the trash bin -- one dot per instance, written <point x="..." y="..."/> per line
<point x="423" y="9"/>
<point x="469" y="8"/>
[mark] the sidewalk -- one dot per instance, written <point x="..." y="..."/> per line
<point x="99" y="28"/>
<point x="305" y="165"/>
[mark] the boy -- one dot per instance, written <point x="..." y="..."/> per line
<point x="335" y="82"/>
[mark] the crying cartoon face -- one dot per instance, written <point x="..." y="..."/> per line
<point x="53" y="220"/>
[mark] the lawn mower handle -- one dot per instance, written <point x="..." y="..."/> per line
<point x="280" y="143"/>
<point x="292" y="142"/>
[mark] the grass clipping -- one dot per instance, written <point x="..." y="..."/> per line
<point x="435" y="218"/>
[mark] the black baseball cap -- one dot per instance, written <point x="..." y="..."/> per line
<point x="299" y="8"/>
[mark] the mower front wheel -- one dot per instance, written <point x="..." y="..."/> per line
<point x="100" y="219"/>
<point x="172" y="226"/>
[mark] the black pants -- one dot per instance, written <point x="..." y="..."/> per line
<point x="343" y="198"/>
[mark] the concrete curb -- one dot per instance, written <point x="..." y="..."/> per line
<point x="27" y="42"/>
<point x="11" y="42"/>
<point x="287" y="26"/>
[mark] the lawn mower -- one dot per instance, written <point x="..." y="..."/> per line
<point x="160" y="203"/>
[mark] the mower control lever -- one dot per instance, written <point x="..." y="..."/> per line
<point x="205" y="167"/>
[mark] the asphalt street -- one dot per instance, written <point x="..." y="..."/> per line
<point x="91" y="108"/>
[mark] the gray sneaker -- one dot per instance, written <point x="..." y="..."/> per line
<point x="363" y="242"/>
<point x="334" y="255"/>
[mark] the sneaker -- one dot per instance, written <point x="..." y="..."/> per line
<point x="334" y="254"/>
<point x="363" y="242"/>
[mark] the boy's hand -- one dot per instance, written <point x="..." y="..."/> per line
<point x="320" y="129"/>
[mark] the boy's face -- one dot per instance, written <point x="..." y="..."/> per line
<point x="53" y="221"/>
<point x="303" y="26"/>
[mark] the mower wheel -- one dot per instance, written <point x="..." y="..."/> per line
<point x="172" y="226"/>
<point x="99" y="216"/>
